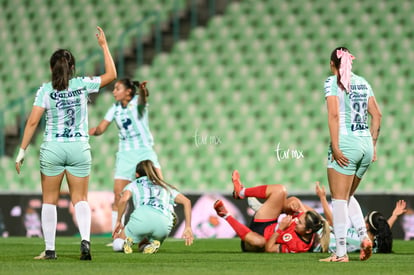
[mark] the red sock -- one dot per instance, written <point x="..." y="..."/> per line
<point x="241" y="229"/>
<point x="257" y="192"/>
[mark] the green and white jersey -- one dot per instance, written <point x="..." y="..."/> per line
<point x="145" y="193"/>
<point x="133" y="125"/>
<point x="352" y="241"/>
<point x="353" y="106"/>
<point x="67" y="111"/>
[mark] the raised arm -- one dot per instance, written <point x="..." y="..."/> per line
<point x="110" y="69"/>
<point x="320" y="192"/>
<point x="400" y="208"/>
<point x="143" y="93"/>
<point x="187" y="233"/>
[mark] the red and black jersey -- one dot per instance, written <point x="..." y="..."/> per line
<point x="289" y="240"/>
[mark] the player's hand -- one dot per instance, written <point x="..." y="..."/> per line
<point x="101" y="36"/>
<point x="143" y="87"/>
<point x="143" y="84"/>
<point x="188" y="236"/>
<point x="118" y="229"/>
<point x="20" y="159"/>
<point x="92" y="131"/>
<point x="285" y="222"/>
<point x="320" y="191"/>
<point x="293" y="205"/>
<point x="400" y="208"/>
<point x="374" y="157"/>
<point x="339" y="157"/>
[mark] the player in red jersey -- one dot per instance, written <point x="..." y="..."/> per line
<point x="295" y="233"/>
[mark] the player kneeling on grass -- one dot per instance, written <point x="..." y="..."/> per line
<point x="294" y="234"/>
<point x="151" y="221"/>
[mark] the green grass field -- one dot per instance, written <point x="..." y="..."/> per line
<point x="206" y="256"/>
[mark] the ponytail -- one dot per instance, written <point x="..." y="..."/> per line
<point x="379" y="227"/>
<point x="130" y="84"/>
<point x="146" y="168"/>
<point x="315" y="222"/>
<point x="342" y="60"/>
<point x="62" y="64"/>
<point x="325" y="237"/>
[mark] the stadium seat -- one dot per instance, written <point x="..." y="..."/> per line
<point x="252" y="76"/>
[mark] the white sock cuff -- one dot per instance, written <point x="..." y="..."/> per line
<point x="81" y="204"/>
<point x="48" y="206"/>
<point x="118" y="244"/>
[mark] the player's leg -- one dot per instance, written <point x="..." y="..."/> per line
<point x="252" y="239"/>
<point x="272" y="207"/>
<point x="340" y="186"/>
<point x="274" y="195"/>
<point x="78" y="168"/>
<point x="125" y="166"/>
<point x="78" y="188"/>
<point x="52" y="172"/>
<point x="119" y="185"/>
<point x="355" y="212"/>
<point x="50" y="195"/>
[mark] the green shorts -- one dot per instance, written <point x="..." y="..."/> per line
<point x="126" y="162"/>
<point x="56" y="157"/>
<point x="359" y="151"/>
<point x="147" y="223"/>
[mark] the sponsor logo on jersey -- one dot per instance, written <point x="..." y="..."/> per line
<point x="287" y="237"/>
<point x="65" y="94"/>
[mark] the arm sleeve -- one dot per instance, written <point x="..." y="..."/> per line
<point x="109" y="116"/>
<point x="174" y="193"/>
<point x="92" y="84"/>
<point x="330" y="86"/>
<point x="40" y="98"/>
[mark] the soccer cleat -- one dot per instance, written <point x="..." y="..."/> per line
<point x="220" y="209"/>
<point x="366" y="249"/>
<point x="46" y="255"/>
<point x="175" y="220"/>
<point x="128" y="243"/>
<point x="237" y="185"/>
<point x="85" y="250"/>
<point x="152" y="247"/>
<point x="334" y="258"/>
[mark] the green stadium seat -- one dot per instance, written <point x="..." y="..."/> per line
<point x="253" y="76"/>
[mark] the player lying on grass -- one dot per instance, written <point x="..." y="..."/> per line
<point x="295" y="233"/>
<point x="378" y="228"/>
<point x="151" y="221"/>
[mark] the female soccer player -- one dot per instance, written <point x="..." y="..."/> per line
<point x="151" y="221"/>
<point x="349" y="99"/>
<point x="130" y="113"/>
<point x="65" y="150"/>
<point x="294" y="234"/>
<point x="378" y="228"/>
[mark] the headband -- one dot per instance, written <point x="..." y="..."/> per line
<point x="345" y="68"/>
<point x="370" y="219"/>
